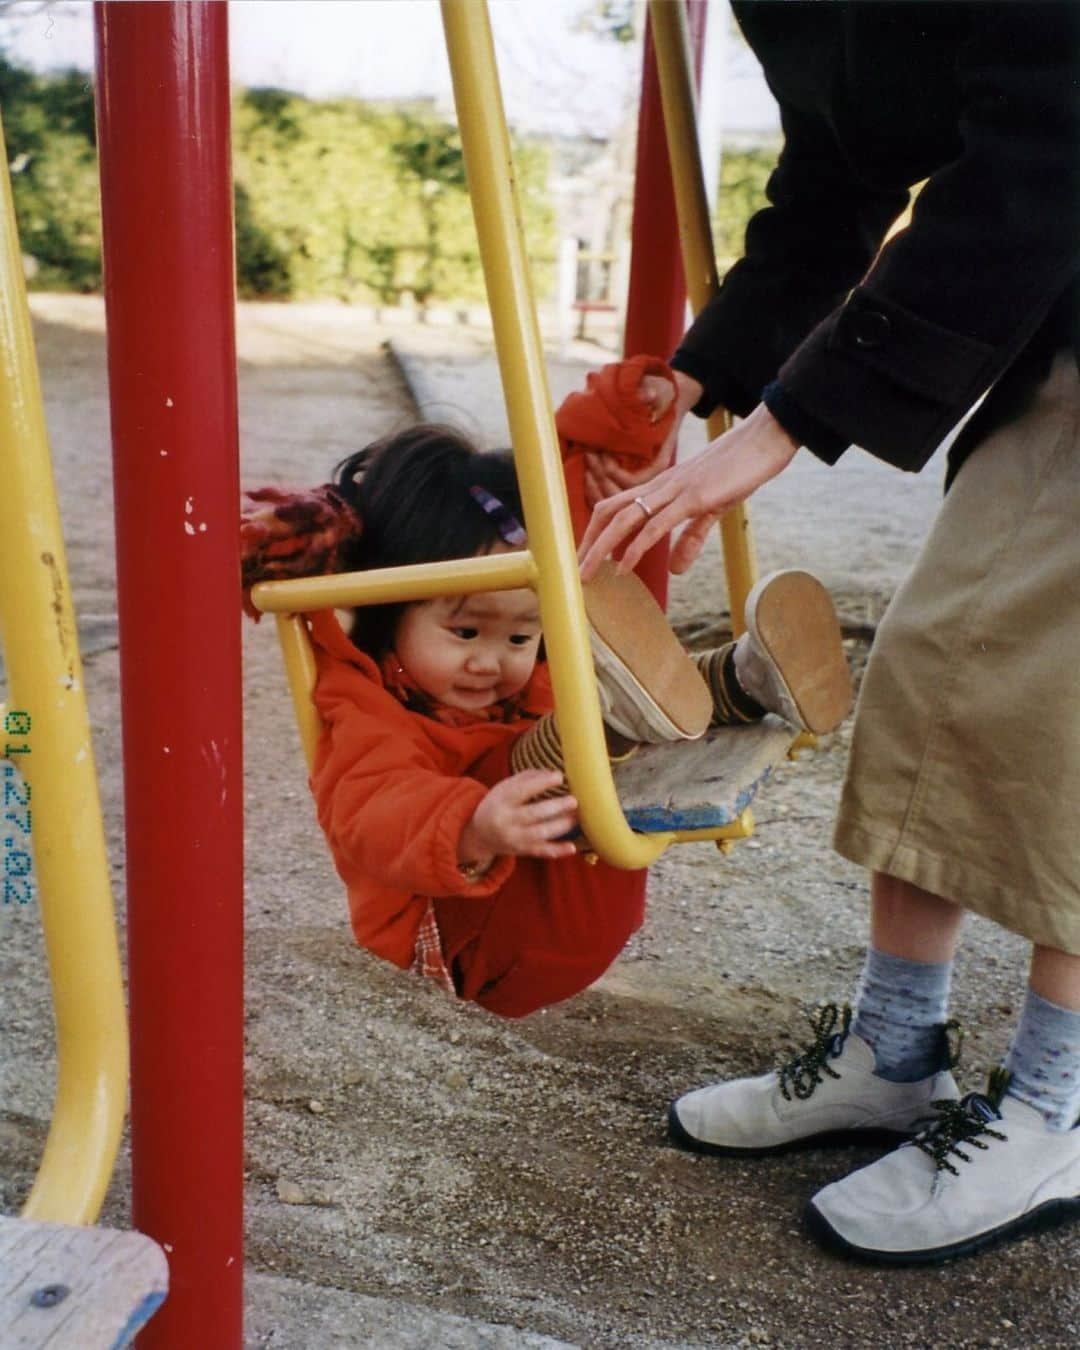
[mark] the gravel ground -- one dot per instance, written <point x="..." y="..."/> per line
<point x="422" y="1174"/>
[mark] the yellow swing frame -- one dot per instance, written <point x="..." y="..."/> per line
<point x="55" y="758"/>
<point x="549" y="565"/>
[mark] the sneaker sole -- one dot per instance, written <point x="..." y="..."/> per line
<point x="679" y="1136"/>
<point x="1049" y="1215"/>
<point x="793" y="619"/>
<point x="635" y="651"/>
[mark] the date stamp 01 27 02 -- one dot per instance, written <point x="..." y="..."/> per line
<point x="18" y="862"/>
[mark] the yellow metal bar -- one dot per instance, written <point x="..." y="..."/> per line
<point x="550" y="567"/>
<point x="736" y="541"/>
<point x="673" y="59"/>
<point x="742" y="827"/>
<point x="389" y="585"/>
<point x="289" y="599"/>
<point x="489" y="168"/>
<point x="46" y="731"/>
<point x="301" y="672"/>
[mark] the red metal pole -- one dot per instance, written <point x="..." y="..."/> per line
<point x="163" y="127"/>
<point x="656" y="305"/>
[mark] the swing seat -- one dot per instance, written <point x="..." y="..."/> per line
<point x="68" y="1288"/>
<point x="705" y="784"/>
<point x="675" y="792"/>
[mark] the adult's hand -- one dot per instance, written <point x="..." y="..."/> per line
<point x="725" y="473"/>
<point x="605" y="476"/>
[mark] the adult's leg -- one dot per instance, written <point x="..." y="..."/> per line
<point x="911" y="923"/>
<point x="993" y="1166"/>
<point x="976" y="798"/>
<point x="1044" y="1058"/>
<point x="903" y="996"/>
<point x="963" y="778"/>
<point x="1055" y="976"/>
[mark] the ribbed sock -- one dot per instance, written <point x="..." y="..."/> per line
<point x="732" y="705"/>
<point x="899" y="1012"/>
<point x="1044" y="1061"/>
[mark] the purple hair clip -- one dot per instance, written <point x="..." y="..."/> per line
<point x="511" y="530"/>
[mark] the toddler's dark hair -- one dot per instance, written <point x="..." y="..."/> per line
<point x="411" y="491"/>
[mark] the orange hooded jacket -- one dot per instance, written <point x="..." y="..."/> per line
<point x="394" y="790"/>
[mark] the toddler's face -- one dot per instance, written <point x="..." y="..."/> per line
<point x="470" y="651"/>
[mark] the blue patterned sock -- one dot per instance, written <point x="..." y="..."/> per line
<point x="899" y="1012"/>
<point x="1044" y="1061"/>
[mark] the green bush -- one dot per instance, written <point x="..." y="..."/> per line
<point x="332" y="198"/>
<point x="743" y="176"/>
<point x="49" y="129"/>
<point x="336" y="198"/>
<point x="362" y="202"/>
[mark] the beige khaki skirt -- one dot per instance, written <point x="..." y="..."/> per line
<point x="964" y="775"/>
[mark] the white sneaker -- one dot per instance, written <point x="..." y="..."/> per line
<point x="828" y="1094"/>
<point x="791" y="657"/>
<point x="979" y="1175"/>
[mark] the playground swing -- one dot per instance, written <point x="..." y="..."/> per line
<point x="56" y="1273"/>
<point x="664" y="794"/>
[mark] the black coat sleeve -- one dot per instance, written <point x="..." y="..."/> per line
<point x="803" y="254"/>
<point x="952" y="300"/>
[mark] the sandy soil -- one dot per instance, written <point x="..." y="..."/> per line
<point x="403" y="1147"/>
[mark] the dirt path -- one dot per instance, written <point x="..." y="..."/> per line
<point x="439" y="1161"/>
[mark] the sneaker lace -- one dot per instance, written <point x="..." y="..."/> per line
<point x="962" y="1122"/>
<point x="803" y="1072"/>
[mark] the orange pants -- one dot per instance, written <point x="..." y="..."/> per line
<point x="553" y="929"/>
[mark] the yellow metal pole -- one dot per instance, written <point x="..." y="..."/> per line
<point x="498" y="221"/>
<point x="46" y="732"/>
<point x="550" y="565"/>
<point x="394" y="585"/>
<point x="673" y="59"/>
<point x="301" y="673"/>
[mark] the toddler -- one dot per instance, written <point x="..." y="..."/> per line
<point x="455" y="867"/>
<point x="456" y="857"/>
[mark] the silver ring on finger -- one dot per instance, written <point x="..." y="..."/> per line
<point x="646" y="508"/>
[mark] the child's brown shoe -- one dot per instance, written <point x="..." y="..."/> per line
<point x="650" y="689"/>
<point x="791" y="657"/>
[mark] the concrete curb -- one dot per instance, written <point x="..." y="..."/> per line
<point x="279" y="1306"/>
